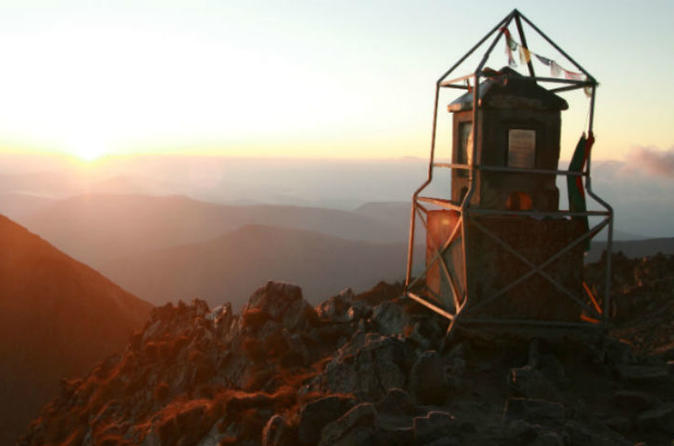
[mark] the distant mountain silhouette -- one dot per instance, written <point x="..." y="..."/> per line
<point x="229" y="267"/>
<point x="97" y="228"/>
<point x="633" y="248"/>
<point x="57" y="318"/>
<point x="17" y="205"/>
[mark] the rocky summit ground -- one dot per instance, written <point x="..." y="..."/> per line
<point x="373" y="369"/>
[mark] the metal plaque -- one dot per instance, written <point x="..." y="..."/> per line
<point x="521" y="148"/>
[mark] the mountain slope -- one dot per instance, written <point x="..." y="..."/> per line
<point x="227" y="268"/>
<point x="96" y="228"/>
<point x="57" y="317"/>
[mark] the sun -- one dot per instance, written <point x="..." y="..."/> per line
<point x="88" y="149"/>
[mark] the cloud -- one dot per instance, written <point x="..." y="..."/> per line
<point x="652" y="161"/>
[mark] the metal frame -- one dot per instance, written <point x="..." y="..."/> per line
<point x="459" y="304"/>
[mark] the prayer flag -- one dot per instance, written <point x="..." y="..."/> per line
<point x="544" y="60"/>
<point x="555" y="69"/>
<point x="588" y="91"/>
<point x="573" y="75"/>
<point x="525" y="55"/>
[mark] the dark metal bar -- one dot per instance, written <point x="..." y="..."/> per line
<point x="569" y="58"/>
<point x="422" y="208"/>
<point x="609" y="240"/>
<point x="421" y="217"/>
<point x="558" y="80"/>
<point x="573" y="87"/>
<point x="532" y="322"/>
<point x="455" y="80"/>
<point x="452" y="166"/>
<point x="450" y="280"/>
<point x="446" y="245"/>
<point x="527" y="170"/>
<point x="410" y="245"/>
<point x="447" y="204"/>
<point x="460" y="87"/>
<point x="523" y="38"/>
<point x="445" y="269"/>
<point x="481" y="211"/>
<point x="478" y="71"/>
<point x="476" y="46"/>
<point x="429" y="305"/>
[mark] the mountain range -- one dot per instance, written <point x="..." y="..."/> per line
<point x="97" y="228"/>
<point x="229" y="267"/>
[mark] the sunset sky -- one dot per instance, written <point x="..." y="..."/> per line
<point x="303" y="78"/>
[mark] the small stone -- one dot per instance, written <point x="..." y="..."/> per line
<point x="390" y="318"/>
<point x="275" y="432"/>
<point x="661" y="418"/>
<point x="316" y="414"/>
<point x="619" y="424"/>
<point x="335" y="309"/>
<point x="360" y="436"/>
<point x="633" y="400"/>
<point x="533" y="409"/>
<point x="362" y="415"/>
<point x="520" y="432"/>
<point x="397" y="436"/>
<point x="428" y="381"/>
<point x="548" y="439"/>
<point x="528" y="382"/>
<point x="396" y="402"/>
<point x="643" y="374"/>
<point x="445" y="441"/>
<point x="433" y="425"/>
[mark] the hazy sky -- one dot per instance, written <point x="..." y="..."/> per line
<point x="303" y="78"/>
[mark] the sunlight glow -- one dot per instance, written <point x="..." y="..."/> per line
<point x="87" y="149"/>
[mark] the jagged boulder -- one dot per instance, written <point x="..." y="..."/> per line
<point x="336" y="308"/>
<point x="390" y="318"/>
<point x="283" y="303"/>
<point x="368" y="372"/>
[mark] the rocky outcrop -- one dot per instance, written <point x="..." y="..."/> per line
<point x="369" y="369"/>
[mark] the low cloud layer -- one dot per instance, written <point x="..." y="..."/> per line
<point x="652" y="161"/>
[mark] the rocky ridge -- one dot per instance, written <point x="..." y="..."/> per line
<point x="359" y="370"/>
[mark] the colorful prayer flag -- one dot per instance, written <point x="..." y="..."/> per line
<point x="525" y="55"/>
<point x="573" y="75"/>
<point x="588" y="91"/>
<point x="511" y="46"/>
<point x="555" y="69"/>
<point x="544" y="60"/>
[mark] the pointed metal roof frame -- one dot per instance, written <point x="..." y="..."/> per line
<point x="517" y="17"/>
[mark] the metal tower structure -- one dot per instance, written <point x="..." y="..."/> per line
<point x="451" y="256"/>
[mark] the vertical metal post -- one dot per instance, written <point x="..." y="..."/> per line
<point x="609" y="239"/>
<point x="410" y="245"/>
<point x="465" y="204"/>
<point x="523" y="38"/>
